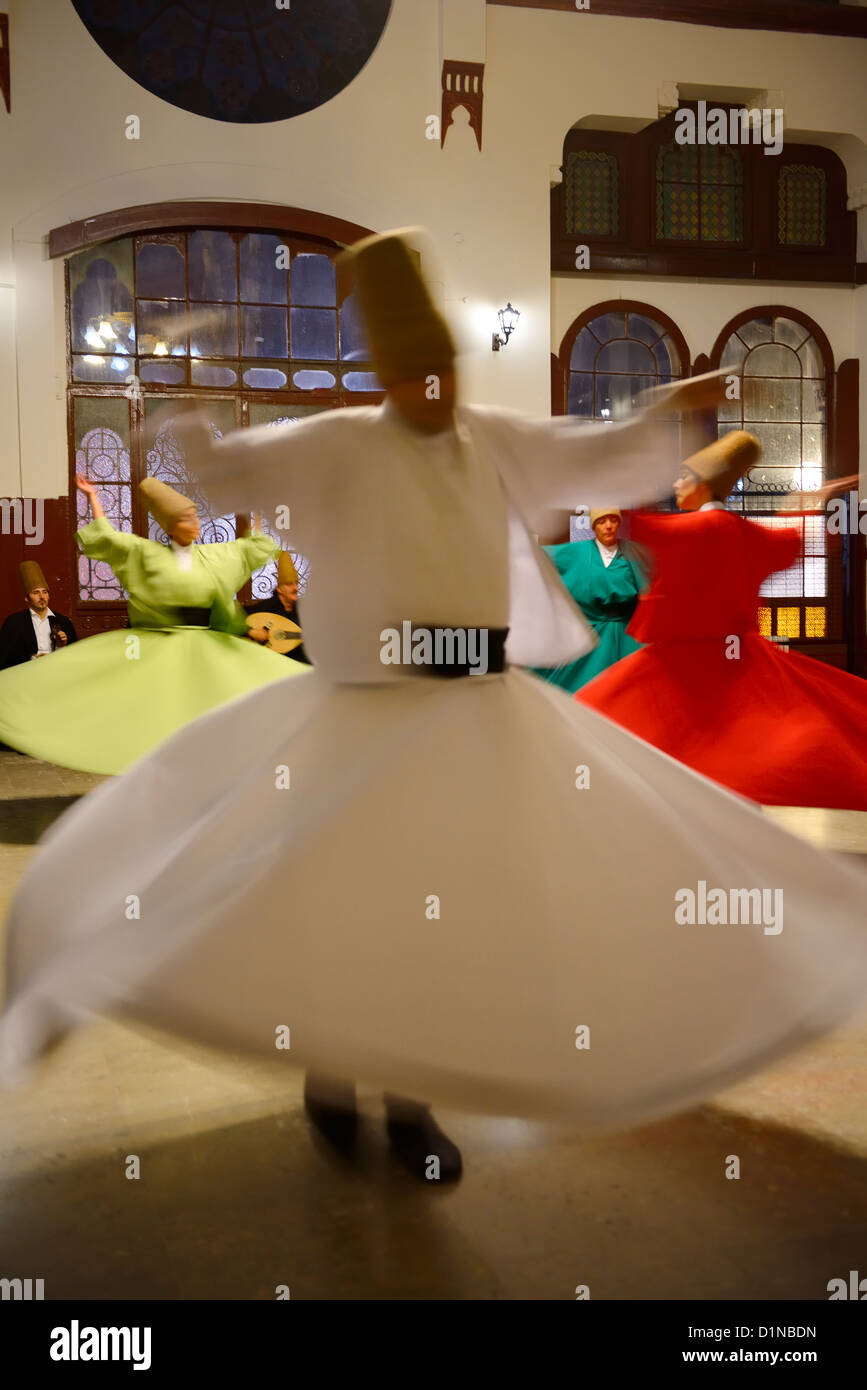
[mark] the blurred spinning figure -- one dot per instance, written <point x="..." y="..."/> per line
<point x="780" y="728"/>
<point x="458" y="927"/>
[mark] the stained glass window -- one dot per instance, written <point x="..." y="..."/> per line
<point x="592" y="196"/>
<point x="699" y="193"/>
<point x="248" y="62"/>
<point x="801" y="205"/>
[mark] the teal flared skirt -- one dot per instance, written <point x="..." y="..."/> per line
<point x="614" y="643"/>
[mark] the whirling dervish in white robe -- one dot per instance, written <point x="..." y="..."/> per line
<point x="473" y="891"/>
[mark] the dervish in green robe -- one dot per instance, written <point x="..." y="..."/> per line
<point x="104" y="701"/>
<point x="607" y="597"/>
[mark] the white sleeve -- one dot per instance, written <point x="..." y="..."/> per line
<point x="261" y="469"/>
<point x="564" y="462"/>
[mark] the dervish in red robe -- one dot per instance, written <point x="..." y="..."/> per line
<point x="779" y="728"/>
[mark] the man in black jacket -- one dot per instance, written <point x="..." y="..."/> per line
<point x="38" y="630"/>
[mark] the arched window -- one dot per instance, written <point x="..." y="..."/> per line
<point x="248" y="323"/>
<point x="246" y="311"/>
<point x="784" y="364"/>
<point x="608" y="357"/>
<point x="613" y="353"/>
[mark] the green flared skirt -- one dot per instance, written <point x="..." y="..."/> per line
<point x="103" y="702"/>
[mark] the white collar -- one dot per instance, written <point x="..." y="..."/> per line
<point x="49" y="613"/>
<point x="184" y="558"/>
<point x="392" y="415"/>
<point x="712" y="506"/>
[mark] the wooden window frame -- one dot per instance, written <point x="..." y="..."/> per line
<point x="636" y="250"/>
<point x="701" y="245"/>
<point x="205" y="215"/>
<point x="561" y="363"/>
<point x="840" y="651"/>
<point x="842" y="441"/>
<point x="784" y="169"/>
<point x="607" y="142"/>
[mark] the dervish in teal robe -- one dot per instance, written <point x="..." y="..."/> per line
<point x="606" y="597"/>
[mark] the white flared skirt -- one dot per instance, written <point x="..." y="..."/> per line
<point x="474" y="892"/>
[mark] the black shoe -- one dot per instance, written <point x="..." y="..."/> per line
<point x="336" y="1117"/>
<point x="422" y="1147"/>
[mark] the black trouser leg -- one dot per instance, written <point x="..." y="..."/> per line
<point x="418" y="1141"/>
<point x="330" y="1104"/>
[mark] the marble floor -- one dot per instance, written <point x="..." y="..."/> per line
<point x="236" y="1195"/>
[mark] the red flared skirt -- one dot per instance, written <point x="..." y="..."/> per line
<point x="781" y="729"/>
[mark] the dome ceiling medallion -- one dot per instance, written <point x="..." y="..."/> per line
<point x="244" y="61"/>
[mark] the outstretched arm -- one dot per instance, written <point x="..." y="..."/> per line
<point x="99" y="540"/>
<point x="90" y="492"/>
<point x="564" y="462"/>
<point x="268" y="467"/>
<point x="257" y="549"/>
<point x="776" y="547"/>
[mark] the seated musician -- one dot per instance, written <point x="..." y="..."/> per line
<point x="283" y="600"/>
<point x="38" y="630"/>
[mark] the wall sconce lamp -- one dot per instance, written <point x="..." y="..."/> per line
<point x="508" y="323"/>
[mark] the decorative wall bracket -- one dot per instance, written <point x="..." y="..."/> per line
<point x="667" y="99"/>
<point x="462" y="86"/>
<point x="769" y="99"/>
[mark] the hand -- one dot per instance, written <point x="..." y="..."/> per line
<point x="191" y="432"/>
<point x="704" y="392"/>
<point x="60" y="638"/>
<point x="90" y="492"/>
<point x="258" y="634"/>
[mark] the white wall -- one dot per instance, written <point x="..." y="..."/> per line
<point x="364" y="157"/>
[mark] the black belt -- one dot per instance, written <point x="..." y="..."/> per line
<point x="449" y="667"/>
<point x="193" y="617"/>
